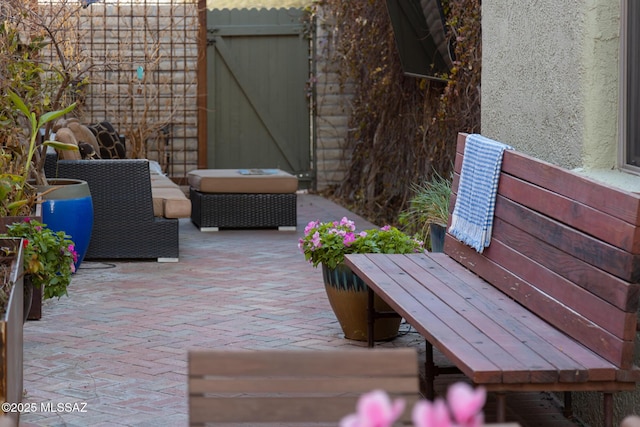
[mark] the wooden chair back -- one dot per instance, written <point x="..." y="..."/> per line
<point x="252" y="388"/>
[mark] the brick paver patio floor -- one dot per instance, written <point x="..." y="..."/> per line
<point x="119" y="341"/>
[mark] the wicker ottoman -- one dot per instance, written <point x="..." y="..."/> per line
<point x="243" y="198"/>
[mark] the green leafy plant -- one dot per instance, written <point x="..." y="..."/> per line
<point x="329" y="242"/>
<point x="49" y="256"/>
<point x="35" y="124"/>
<point x="17" y="196"/>
<point x="41" y="74"/>
<point x="428" y="205"/>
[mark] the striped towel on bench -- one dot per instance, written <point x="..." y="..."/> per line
<point x="472" y="217"/>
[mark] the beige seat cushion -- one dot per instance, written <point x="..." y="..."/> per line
<point x="169" y="200"/>
<point x="271" y="181"/>
<point x="161" y="181"/>
<point x="170" y="203"/>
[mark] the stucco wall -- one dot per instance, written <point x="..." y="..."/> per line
<point x="550" y="80"/>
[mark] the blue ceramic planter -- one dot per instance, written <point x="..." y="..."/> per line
<point x="69" y="208"/>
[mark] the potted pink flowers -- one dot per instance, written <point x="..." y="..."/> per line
<point x="49" y="261"/>
<point x="327" y="243"/>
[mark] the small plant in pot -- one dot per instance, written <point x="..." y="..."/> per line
<point x="327" y="243"/>
<point x="428" y="210"/>
<point x="49" y="259"/>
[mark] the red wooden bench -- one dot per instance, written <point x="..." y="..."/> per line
<point x="550" y="305"/>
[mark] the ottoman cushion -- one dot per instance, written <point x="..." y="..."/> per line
<point x="243" y="181"/>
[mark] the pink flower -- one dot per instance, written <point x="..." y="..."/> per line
<point x="363" y="234"/>
<point x="74" y="254"/>
<point x="386" y="228"/>
<point x="27" y="219"/>
<point x="310" y="226"/>
<point x="349" y="238"/>
<point x="427" y="414"/>
<point x="316" y="240"/>
<point x="374" y="409"/>
<point x="348" y="223"/>
<point x="466" y="404"/>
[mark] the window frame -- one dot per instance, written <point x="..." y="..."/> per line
<point x="629" y="153"/>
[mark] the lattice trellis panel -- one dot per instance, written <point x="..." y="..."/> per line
<point x="142" y="56"/>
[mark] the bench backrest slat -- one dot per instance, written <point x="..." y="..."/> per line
<point x="616" y="202"/>
<point x="546" y="255"/>
<point x="612" y="348"/>
<point x="591" y="247"/>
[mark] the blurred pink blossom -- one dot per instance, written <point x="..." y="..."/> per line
<point x="466" y="404"/>
<point x="462" y="408"/>
<point x="427" y="414"/>
<point x="374" y="409"/>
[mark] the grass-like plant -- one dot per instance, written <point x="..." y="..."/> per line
<point x="429" y="205"/>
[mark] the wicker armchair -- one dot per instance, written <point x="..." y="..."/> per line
<point x="124" y="225"/>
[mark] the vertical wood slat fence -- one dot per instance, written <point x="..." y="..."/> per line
<point x="258" y="75"/>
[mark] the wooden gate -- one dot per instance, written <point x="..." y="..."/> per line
<point x="257" y="75"/>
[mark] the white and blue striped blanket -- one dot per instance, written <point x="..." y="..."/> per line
<point x="472" y="217"/>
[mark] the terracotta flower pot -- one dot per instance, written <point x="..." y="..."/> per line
<point x="347" y="295"/>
